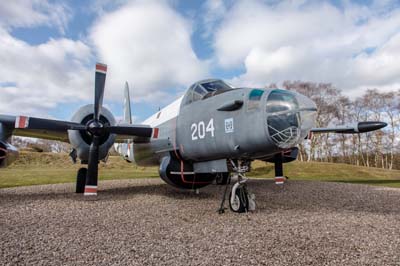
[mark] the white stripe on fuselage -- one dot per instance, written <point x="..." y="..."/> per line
<point x="167" y="113"/>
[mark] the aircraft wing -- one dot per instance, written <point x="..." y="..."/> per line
<point x="35" y="127"/>
<point x="58" y="129"/>
<point x="137" y="133"/>
<point x="360" y="127"/>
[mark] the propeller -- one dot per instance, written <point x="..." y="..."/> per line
<point x="95" y="127"/>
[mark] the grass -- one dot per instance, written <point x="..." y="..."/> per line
<point x="47" y="168"/>
<point x="331" y="172"/>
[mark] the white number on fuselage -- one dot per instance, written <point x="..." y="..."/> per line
<point x="199" y="130"/>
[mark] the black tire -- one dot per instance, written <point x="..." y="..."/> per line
<point x="81" y="180"/>
<point x="242" y="204"/>
<point x="222" y="179"/>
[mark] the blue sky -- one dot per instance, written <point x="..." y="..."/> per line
<point x="48" y="49"/>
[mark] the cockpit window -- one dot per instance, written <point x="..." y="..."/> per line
<point x="280" y="100"/>
<point x="205" y="89"/>
<point x="215" y="85"/>
<point x="199" y="90"/>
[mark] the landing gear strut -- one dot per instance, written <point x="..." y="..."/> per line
<point x="239" y="198"/>
<point x="279" y="177"/>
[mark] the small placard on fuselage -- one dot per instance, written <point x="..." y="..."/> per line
<point x="229" y="125"/>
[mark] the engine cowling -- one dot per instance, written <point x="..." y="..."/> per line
<point x="81" y="140"/>
<point x="8" y="154"/>
<point x="180" y="174"/>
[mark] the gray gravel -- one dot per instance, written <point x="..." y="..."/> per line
<point x="144" y="222"/>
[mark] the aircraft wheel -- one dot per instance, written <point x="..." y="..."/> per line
<point x="240" y="203"/>
<point x="222" y="178"/>
<point x="81" y="180"/>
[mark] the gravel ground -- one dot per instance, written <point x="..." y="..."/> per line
<point x="145" y="222"/>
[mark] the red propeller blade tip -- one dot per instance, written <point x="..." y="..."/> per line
<point x="102" y="68"/>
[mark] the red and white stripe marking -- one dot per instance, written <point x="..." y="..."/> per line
<point x="155" y="132"/>
<point x="279" y="180"/>
<point x="310" y="135"/>
<point x="101" y="68"/>
<point x="90" y="191"/>
<point x="21" y="122"/>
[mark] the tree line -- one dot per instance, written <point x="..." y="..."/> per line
<point x="375" y="149"/>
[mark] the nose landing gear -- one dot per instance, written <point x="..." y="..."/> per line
<point x="240" y="200"/>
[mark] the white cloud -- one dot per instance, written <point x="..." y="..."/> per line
<point x="148" y="44"/>
<point x="214" y="12"/>
<point x="30" y="13"/>
<point x="41" y="76"/>
<point x="153" y="55"/>
<point x="354" y="46"/>
<point x="34" y="79"/>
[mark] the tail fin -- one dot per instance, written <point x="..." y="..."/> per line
<point x="126" y="149"/>
<point x="127" y="106"/>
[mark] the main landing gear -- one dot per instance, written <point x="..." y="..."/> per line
<point x="240" y="200"/>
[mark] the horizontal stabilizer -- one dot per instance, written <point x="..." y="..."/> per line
<point x="360" y="127"/>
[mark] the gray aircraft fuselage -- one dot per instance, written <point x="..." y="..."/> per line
<point x="241" y="123"/>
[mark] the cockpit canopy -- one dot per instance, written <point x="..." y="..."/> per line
<point x="204" y="89"/>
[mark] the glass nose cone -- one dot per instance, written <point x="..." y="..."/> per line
<point x="290" y="116"/>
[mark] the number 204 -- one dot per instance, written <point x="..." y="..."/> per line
<point x="199" y="130"/>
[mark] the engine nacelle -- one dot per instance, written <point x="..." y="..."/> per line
<point x="8" y="154"/>
<point x="180" y="174"/>
<point x="81" y="140"/>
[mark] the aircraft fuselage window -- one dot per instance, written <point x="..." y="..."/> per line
<point x="280" y="100"/>
<point x="200" y="90"/>
<point x="255" y="95"/>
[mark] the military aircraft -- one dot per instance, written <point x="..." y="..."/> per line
<point x="212" y="133"/>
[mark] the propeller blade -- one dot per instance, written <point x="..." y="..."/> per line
<point x="46" y="124"/>
<point x="93" y="168"/>
<point x="130" y="130"/>
<point x="99" y="82"/>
